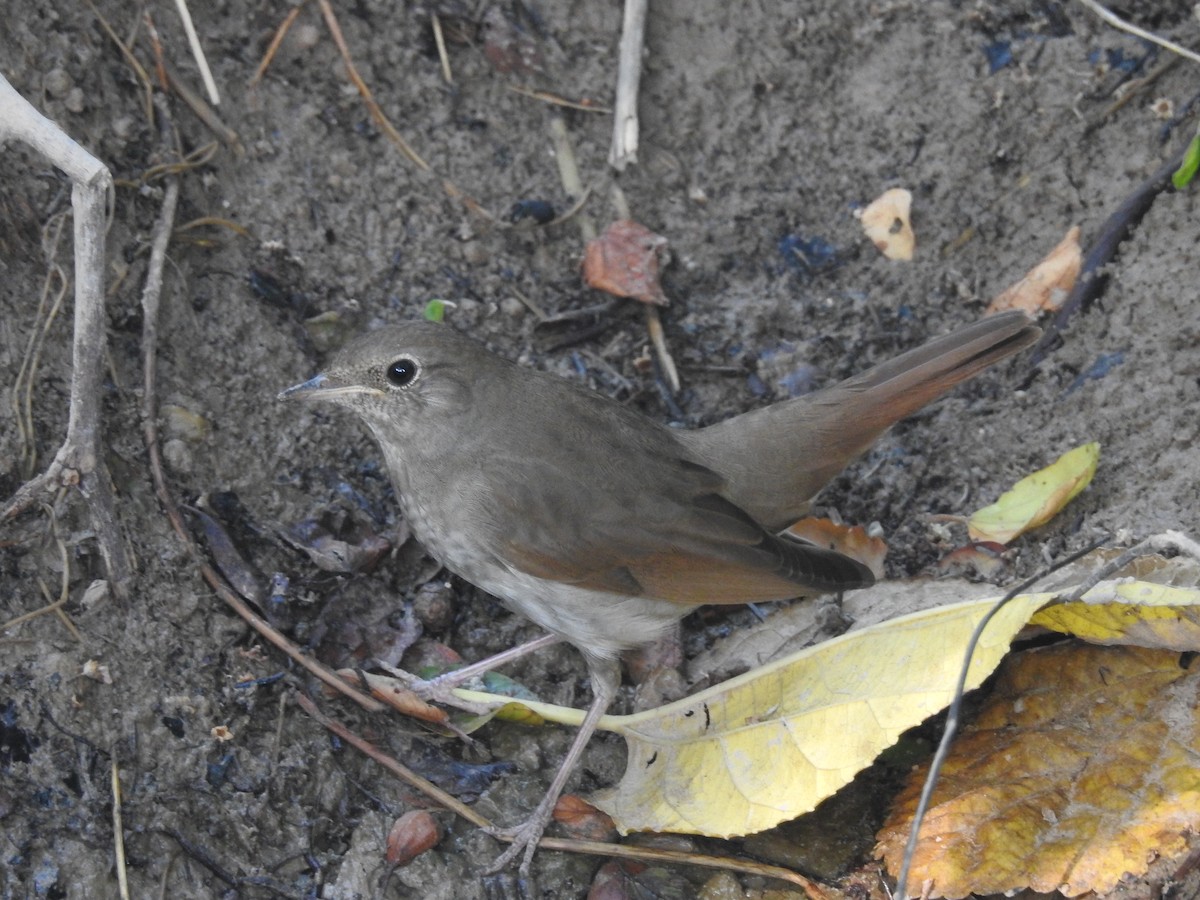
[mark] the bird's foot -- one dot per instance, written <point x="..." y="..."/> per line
<point x="524" y="838"/>
<point x="436" y="690"/>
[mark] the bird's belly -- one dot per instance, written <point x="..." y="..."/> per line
<point x="598" y="623"/>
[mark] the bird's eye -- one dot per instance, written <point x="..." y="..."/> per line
<point x="401" y="372"/>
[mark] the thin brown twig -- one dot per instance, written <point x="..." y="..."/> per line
<point x="557" y="100"/>
<point x="440" y="40"/>
<point x="365" y="92"/>
<point x="156" y="48"/>
<point x="276" y="40"/>
<point x="405" y="774"/>
<point x="22" y="396"/>
<point x="593" y="848"/>
<point x="205" y="113"/>
<point x="132" y="61"/>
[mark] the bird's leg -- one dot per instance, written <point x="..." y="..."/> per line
<point x="606" y="677"/>
<point x="441" y="688"/>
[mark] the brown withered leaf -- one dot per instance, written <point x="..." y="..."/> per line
<point x="1081" y="768"/>
<point x="1047" y="284"/>
<point x="412" y="834"/>
<point x="582" y="820"/>
<point x="982" y="558"/>
<point x="848" y="540"/>
<point x="625" y="261"/>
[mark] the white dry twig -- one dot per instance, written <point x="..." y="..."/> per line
<point x="79" y="459"/>
<point x="629" y="75"/>
<point x="1117" y="22"/>
<point x="198" y="52"/>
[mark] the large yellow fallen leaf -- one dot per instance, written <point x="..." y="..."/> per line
<point x="1083" y="765"/>
<point x="769" y="745"/>
<point x="1036" y="499"/>
<point x="1047" y="284"/>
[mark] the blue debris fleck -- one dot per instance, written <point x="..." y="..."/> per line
<point x="1104" y="364"/>
<point x="806" y="255"/>
<point x="999" y="54"/>
<point x="219" y="770"/>
<point x="45" y="878"/>
<point x="801" y="380"/>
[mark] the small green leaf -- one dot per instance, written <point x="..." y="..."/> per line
<point x="435" y="310"/>
<point x="1191" y="163"/>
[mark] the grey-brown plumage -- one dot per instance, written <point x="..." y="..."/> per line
<point x="596" y="522"/>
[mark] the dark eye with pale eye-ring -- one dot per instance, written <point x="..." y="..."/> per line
<point x="401" y="372"/>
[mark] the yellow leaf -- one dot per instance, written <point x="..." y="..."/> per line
<point x="1036" y="499"/>
<point x="771" y="744"/>
<point x="1082" y="767"/>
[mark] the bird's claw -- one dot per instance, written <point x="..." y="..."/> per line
<point x="524" y="840"/>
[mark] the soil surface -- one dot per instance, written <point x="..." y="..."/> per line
<point x="764" y="127"/>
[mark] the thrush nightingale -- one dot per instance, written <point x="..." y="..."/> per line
<point x="604" y="526"/>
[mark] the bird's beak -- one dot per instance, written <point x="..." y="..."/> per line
<point x="321" y="387"/>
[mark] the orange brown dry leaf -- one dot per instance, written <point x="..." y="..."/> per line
<point x="1083" y="766"/>
<point x="849" y="540"/>
<point x="625" y="261"/>
<point x="1047" y="284"/>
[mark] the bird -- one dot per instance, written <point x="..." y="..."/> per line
<point x="600" y="524"/>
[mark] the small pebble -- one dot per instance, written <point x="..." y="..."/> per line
<point x="57" y="82"/>
<point x="434" y="605"/>
<point x="178" y="456"/>
<point x="124" y="127"/>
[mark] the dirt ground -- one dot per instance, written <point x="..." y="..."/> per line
<point x="763" y="127"/>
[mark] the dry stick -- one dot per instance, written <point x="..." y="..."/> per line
<point x="1117" y="22"/>
<point x="205" y="113"/>
<point x="556" y="100"/>
<point x="151" y="297"/>
<point x="78" y="460"/>
<point x="595" y="848"/>
<point x="198" y="52"/>
<point x="1129" y="91"/>
<point x="22" y="395"/>
<point x="64" y="591"/>
<point x="119" y="832"/>
<point x="1092" y="277"/>
<point x="273" y="47"/>
<point x="624" y="152"/>
<point x="440" y="40"/>
<point x="654" y="327"/>
<point x="376" y="112"/>
<point x="568" y="172"/>
<point x="1157" y="543"/>
<point x="131" y="60"/>
<point x="629" y="75"/>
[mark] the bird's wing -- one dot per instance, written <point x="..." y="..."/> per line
<point x="662" y="530"/>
